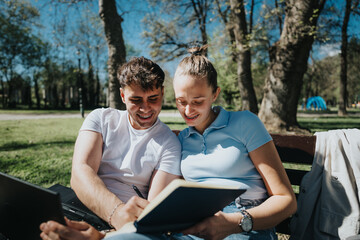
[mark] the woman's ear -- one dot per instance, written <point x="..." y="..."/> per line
<point x="216" y="94"/>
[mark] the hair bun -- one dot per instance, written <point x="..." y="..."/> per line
<point x="197" y="50"/>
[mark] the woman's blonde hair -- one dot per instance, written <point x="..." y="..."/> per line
<point x="197" y="64"/>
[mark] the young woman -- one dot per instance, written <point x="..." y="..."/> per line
<point x="227" y="148"/>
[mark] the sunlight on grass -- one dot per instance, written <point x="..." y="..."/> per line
<point x="38" y="151"/>
<point x="318" y="124"/>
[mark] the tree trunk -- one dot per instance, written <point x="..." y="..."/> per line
<point x="91" y="83"/>
<point x="288" y="63"/>
<point x="97" y="90"/>
<point x="116" y="48"/>
<point x="343" y="65"/>
<point x="36" y="89"/>
<point x="3" y="93"/>
<point x="243" y="56"/>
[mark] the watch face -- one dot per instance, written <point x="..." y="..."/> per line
<point x="246" y="224"/>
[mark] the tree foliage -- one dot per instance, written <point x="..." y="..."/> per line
<point x="20" y="48"/>
<point x="171" y="29"/>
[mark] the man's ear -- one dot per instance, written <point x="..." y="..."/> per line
<point x="122" y="94"/>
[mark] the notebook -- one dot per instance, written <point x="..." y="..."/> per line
<point x="23" y="206"/>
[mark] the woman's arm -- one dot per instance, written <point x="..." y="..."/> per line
<point x="280" y="205"/>
<point x="282" y="202"/>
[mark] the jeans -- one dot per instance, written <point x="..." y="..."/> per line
<point x="236" y="206"/>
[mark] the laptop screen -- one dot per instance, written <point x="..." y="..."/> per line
<point x="24" y="206"/>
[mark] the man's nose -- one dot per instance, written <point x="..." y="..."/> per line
<point x="145" y="106"/>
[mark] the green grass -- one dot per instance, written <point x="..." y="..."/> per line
<point x="174" y="122"/>
<point x="40" y="151"/>
<point x="318" y="124"/>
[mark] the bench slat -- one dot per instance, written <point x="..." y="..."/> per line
<point x="295" y="176"/>
<point x="295" y="148"/>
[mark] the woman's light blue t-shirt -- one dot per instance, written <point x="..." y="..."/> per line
<point x="221" y="154"/>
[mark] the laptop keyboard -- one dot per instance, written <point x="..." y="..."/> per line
<point x="72" y="214"/>
<point x="78" y="215"/>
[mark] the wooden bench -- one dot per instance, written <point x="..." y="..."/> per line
<point x="293" y="149"/>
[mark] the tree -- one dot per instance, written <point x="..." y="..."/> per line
<point x="344" y="64"/>
<point x="233" y="15"/>
<point x="116" y="48"/>
<point x="170" y="38"/>
<point x="19" y="48"/>
<point x="243" y="56"/>
<point x="226" y="71"/>
<point x="354" y="70"/>
<point x="288" y="63"/>
<point x="89" y="39"/>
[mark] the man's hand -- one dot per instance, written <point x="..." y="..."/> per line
<point x="216" y="227"/>
<point x="52" y="230"/>
<point x="128" y="212"/>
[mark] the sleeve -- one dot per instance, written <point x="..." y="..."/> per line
<point x="253" y="131"/>
<point x="171" y="155"/>
<point x="93" y="121"/>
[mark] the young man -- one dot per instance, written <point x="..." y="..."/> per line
<point x="117" y="149"/>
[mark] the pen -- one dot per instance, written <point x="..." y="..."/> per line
<point x="137" y="191"/>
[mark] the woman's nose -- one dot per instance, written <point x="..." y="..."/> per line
<point x="188" y="109"/>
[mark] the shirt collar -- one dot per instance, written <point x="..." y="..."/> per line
<point x="221" y="121"/>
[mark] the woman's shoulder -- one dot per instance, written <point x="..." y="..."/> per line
<point x="242" y="116"/>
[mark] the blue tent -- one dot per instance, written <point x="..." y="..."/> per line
<point x="317" y="102"/>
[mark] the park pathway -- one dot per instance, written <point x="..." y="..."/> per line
<point x="69" y="115"/>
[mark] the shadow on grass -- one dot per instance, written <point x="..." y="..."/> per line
<point x="328" y="126"/>
<point x="17" y="145"/>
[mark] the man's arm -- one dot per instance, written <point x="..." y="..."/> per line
<point x="91" y="190"/>
<point x="159" y="181"/>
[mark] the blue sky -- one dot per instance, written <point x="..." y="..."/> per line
<point x="134" y="11"/>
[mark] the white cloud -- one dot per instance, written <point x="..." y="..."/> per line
<point x="326" y="50"/>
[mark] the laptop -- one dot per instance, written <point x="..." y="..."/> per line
<point x="74" y="209"/>
<point x="24" y="206"/>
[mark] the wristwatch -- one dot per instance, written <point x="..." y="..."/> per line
<point x="246" y="223"/>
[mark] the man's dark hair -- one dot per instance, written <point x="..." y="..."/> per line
<point x="142" y="72"/>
